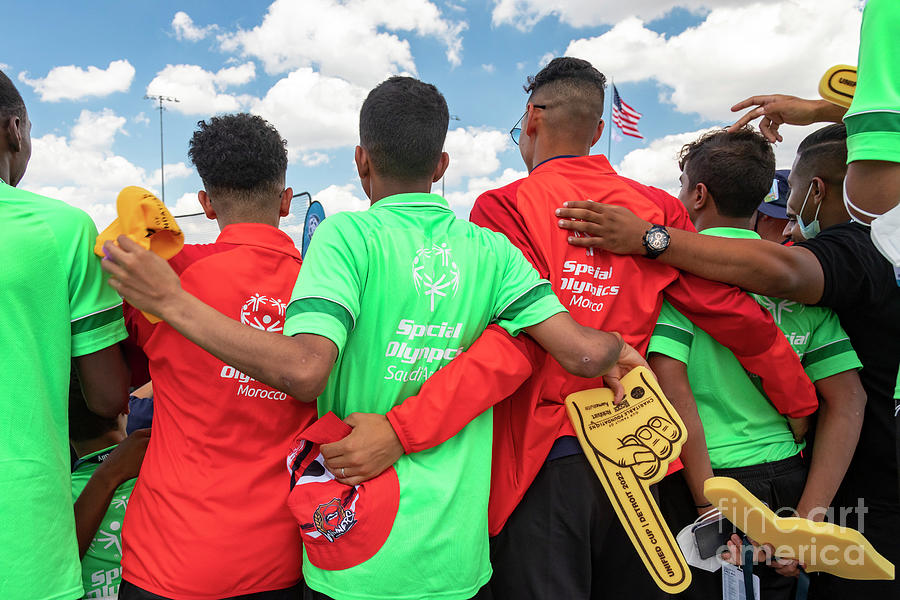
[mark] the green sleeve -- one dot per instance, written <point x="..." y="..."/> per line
<point x="830" y="351"/>
<point x="326" y="297"/>
<point x="873" y="119"/>
<point x="673" y="334"/>
<point x="95" y="308"/>
<point x="523" y="299"/>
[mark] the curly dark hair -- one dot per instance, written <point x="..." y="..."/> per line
<point x="736" y="167"/>
<point x="403" y="124"/>
<point x="573" y="83"/>
<point x="11" y="103"/>
<point x="238" y="152"/>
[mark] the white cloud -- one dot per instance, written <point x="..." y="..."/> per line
<point x="83" y="170"/>
<point x="462" y="200"/>
<point x="74" y="83"/>
<point x="736" y="52"/>
<point x="184" y="28"/>
<point x="339" y="198"/>
<point x="525" y="14"/>
<point x="314" y="159"/>
<point x="4" y="67"/>
<point x="473" y="152"/>
<point x="141" y="119"/>
<point x="488" y="68"/>
<point x="312" y="111"/>
<point x="657" y="163"/>
<point x="347" y="39"/>
<point x="202" y="92"/>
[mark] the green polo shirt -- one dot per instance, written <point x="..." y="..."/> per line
<point x="742" y="426"/>
<point x="873" y="120"/>
<point x="401" y="289"/>
<point x="101" y="566"/>
<point x="54" y="304"/>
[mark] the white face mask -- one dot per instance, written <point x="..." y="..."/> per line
<point x="688" y="545"/>
<point x="812" y="229"/>
<point x="885" y="228"/>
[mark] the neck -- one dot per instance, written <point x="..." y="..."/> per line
<point x="704" y="221"/>
<point x="553" y="148"/>
<point x="110" y="438"/>
<point x="225" y="220"/>
<point x="382" y="188"/>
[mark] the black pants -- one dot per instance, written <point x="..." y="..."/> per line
<point x="311" y="594"/>
<point x="779" y="484"/>
<point x="129" y="591"/>
<point x="564" y="541"/>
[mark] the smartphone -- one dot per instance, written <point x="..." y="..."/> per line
<point x="711" y="536"/>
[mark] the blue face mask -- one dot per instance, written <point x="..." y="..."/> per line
<point x="811" y="229"/>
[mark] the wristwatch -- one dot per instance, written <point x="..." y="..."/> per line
<point x="656" y="240"/>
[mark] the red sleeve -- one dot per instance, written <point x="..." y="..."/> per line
<point x="497" y="211"/>
<point x="139" y="330"/>
<point x="448" y="400"/>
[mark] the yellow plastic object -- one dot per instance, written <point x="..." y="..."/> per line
<point x="838" y="85"/>
<point x="827" y="547"/>
<point x="147" y="221"/>
<point x="629" y="445"/>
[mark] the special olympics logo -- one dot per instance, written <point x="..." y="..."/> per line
<point x="263" y="312"/>
<point x="444" y="272"/>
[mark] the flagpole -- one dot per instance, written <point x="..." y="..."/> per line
<point x="609" y="126"/>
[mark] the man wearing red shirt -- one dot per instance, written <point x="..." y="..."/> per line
<point x="556" y="533"/>
<point x="208" y="518"/>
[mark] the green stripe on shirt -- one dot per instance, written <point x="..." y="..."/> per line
<point x="96" y="320"/>
<point x="873" y="122"/>
<point x="526" y="300"/>
<point x="676" y="334"/>
<point x="320" y="305"/>
<point x="827" y="351"/>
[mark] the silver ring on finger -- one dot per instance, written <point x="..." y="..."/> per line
<point x="343" y="476"/>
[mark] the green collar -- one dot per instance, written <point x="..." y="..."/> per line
<point x="413" y="199"/>
<point x="732" y="232"/>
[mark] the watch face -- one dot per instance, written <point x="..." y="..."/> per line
<point x="657" y="240"/>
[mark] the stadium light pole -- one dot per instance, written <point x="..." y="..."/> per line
<point x="162" y="164"/>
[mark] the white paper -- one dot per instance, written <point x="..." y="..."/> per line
<point x="733" y="583"/>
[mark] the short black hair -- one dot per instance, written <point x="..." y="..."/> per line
<point x="11" y="103"/>
<point x="736" y="167"/>
<point x="403" y="125"/>
<point x="571" y="78"/>
<point x="823" y="153"/>
<point x="83" y="424"/>
<point x="239" y="152"/>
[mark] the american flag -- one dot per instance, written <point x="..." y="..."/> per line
<point x="624" y="116"/>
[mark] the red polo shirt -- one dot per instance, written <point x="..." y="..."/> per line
<point x="208" y="517"/>
<point x="601" y="290"/>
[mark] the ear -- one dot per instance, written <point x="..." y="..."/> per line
<point x="13" y="133"/>
<point x="701" y="196"/>
<point x="600" y="126"/>
<point x="535" y="117"/>
<point x="441" y="167"/>
<point x="819" y="189"/>
<point x="363" y="168"/>
<point x="206" y="204"/>
<point x="286" y="196"/>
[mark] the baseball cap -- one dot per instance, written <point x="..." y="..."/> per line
<point x="146" y="220"/>
<point x="775" y="202"/>
<point x="341" y="525"/>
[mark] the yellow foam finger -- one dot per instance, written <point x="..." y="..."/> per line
<point x="629" y="446"/>
<point x="826" y="547"/>
<point x="145" y="219"/>
<point x="838" y="85"/>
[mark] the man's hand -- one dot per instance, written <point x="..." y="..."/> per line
<point x="141" y="277"/>
<point x="367" y="451"/>
<point x="606" y="226"/>
<point x="799" y="427"/>
<point x="629" y="358"/>
<point x="776" y="109"/>
<point x="124" y="462"/>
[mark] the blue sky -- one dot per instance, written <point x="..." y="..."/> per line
<point x="84" y="68"/>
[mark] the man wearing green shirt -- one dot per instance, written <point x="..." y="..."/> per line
<point x="724" y="176"/>
<point x="56" y="310"/>
<point x="385" y="298"/>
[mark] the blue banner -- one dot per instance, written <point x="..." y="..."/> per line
<point x="314" y="215"/>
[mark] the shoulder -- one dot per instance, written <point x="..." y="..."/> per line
<point x="502" y="197"/>
<point x="57" y="214"/>
<point x="847" y="237"/>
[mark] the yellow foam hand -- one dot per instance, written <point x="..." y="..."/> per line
<point x="838" y="85"/>
<point x="827" y="547"/>
<point x="629" y="445"/>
